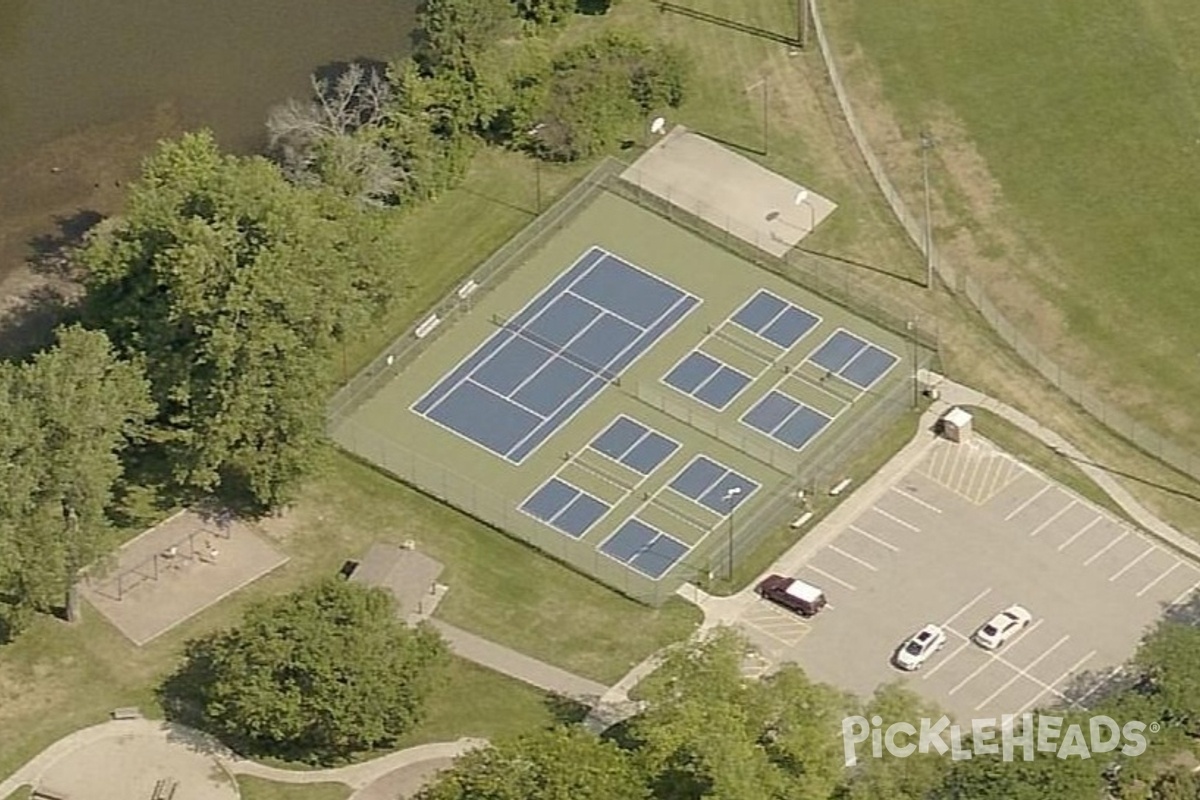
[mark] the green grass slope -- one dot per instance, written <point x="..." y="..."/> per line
<point x="1087" y="113"/>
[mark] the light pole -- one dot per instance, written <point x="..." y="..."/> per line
<point x="802" y="200"/>
<point x="911" y="327"/>
<point x="766" y="123"/>
<point x="534" y="132"/>
<point x="927" y="144"/>
<point x="729" y="498"/>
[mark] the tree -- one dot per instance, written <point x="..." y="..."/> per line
<point x="913" y="777"/>
<point x="233" y="286"/>
<point x="560" y="764"/>
<point x="66" y="416"/>
<point x="316" y="675"/>
<point x="545" y="13"/>
<point x="331" y="139"/>
<point x="598" y="89"/>
<point x="1169" y="660"/>
<point x="710" y="732"/>
<point x="452" y="34"/>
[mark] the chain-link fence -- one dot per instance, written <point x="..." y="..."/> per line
<point x="826" y="277"/>
<point x="393" y="358"/>
<point x="958" y="280"/>
<point x="821" y="462"/>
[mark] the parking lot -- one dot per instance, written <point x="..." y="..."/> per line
<point x="963" y="535"/>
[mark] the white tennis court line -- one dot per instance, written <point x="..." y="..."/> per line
<point x="1154" y="582"/>
<point x="1106" y="548"/>
<point x="875" y="539"/>
<point x="852" y="557"/>
<point x="833" y="578"/>
<point x="1047" y="523"/>
<point x="895" y="519"/>
<point x="1079" y="533"/>
<point x="1028" y="502"/>
<point x="944" y="661"/>
<point x="1131" y="564"/>
<point x="909" y="496"/>
<point x="966" y="607"/>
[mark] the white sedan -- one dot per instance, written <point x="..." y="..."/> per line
<point x="999" y="628"/>
<point x="917" y="650"/>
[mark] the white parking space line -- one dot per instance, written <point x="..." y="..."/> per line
<point x="833" y="578"/>
<point x="852" y="557"/>
<point x="895" y="519"/>
<point x="970" y="677"/>
<point x="1079" y="533"/>
<point x="944" y="661"/>
<point x="1028" y="502"/>
<point x="1131" y="564"/>
<point x="1053" y="517"/>
<point x="1186" y="593"/>
<point x="1154" y="582"/>
<point x="1045" y="686"/>
<point x="915" y="499"/>
<point x="875" y="539"/>
<point x="1078" y="702"/>
<point x="1106" y="548"/>
<point x="965" y="608"/>
<point x="1024" y="672"/>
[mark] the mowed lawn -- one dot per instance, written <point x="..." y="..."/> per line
<point x="1088" y="116"/>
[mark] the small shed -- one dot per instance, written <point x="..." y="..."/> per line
<point x="410" y="576"/>
<point x="956" y="424"/>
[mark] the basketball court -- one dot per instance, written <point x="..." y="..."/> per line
<point x="729" y="191"/>
<point x="177" y="569"/>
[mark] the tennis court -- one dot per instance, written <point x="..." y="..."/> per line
<point x="551" y="359"/>
<point x="625" y="393"/>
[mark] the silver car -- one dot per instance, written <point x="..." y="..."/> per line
<point x="917" y="650"/>
<point x="999" y="628"/>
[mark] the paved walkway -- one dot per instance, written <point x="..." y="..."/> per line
<point x="509" y="662"/>
<point x="182" y="749"/>
<point x="124" y="758"/>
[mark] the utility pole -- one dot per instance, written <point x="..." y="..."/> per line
<point x="766" y="113"/>
<point x="802" y="23"/>
<point x="911" y="326"/>
<point x="927" y="144"/>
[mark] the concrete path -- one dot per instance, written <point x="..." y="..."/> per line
<point x="357" y="776"/>
<point x="520" y="666"/>
<point x="125" y="758"/>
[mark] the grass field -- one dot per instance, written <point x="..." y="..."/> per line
<point x="252" y="788"/>
<point x="384" y="431"/>
<point x="1070" y="144"/>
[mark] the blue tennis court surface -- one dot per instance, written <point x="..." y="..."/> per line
<point x="703" y="377"/>
<point x="713" y="485"/>
<point x="644" y="548"/>
<point x="635" y="445"/>
<point x="785" y="419"/>
<point x="545" y="364"/>
<point x="565" y="507"/>
<point x="776" y="320"/>
<point x="853" y="359"/>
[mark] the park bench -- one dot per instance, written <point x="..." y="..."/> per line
<point x="164" y="789"/>
<point x="127" y="712"/>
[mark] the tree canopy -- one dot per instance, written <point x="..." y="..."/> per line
<point x="316" y="675"/>
<point x="232" y="286"/>
<point x="65" y="418"/>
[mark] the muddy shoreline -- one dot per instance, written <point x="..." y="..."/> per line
<point x="50" y="197"/>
